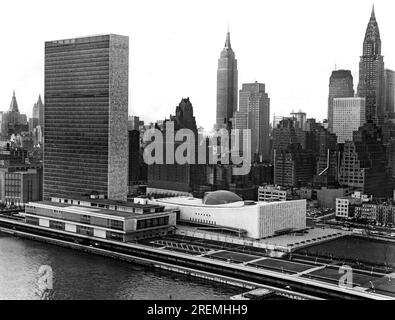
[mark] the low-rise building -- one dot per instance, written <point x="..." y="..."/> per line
<point x="273" y="193"/>
<point x="345" y="207"/>
<point x="224" y="211"/>
<point x="378" y="213"/>
<point x="327" y="196"/>
<point x="20" y="185"/>
<point x="101" y="218"/>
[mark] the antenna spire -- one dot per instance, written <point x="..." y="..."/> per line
<point x="227" y="43"/>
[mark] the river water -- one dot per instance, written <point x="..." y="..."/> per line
<point x="78" y="275"/>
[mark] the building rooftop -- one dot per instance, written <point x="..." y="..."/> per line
<point x="117" y="203"/>
<point x="83" y="39"/>
<point x="220" y="197"/>
<point x="196" y="202"/>
<point x="86" y="210"/>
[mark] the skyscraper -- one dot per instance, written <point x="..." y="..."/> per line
<point x="169" y="177"/>
<point x="285" y="134"/>
<point x="348" y="116"/>
<point x="38" y="112"/>
<point x="300" y="119"/>
<point x="371" y="73"/>
<point x="254" y="114"/>
<point x="327" y="157"/>
<point x="12" y="122"/>
<point x="340" y="86"/>
<point x="364" y="165"/>
<point x="227" y="86"/>
<point x="389" y="80"/>
<point x="86" y="113"/>
<point x="293" y="167"/>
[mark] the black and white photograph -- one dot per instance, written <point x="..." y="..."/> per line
<point x="197" y="158"/>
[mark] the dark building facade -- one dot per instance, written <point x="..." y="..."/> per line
<point x="178" y="177"/>
<point x="137" y="166"/>
<point x="389" y="81"/>
<point x="134" y="155"/>
<point x="293" y="167"/>
<point x="364" y="164"/>
<point x="371" y="73"/>
<point x="227" y="86"/>
<point x="12" y="157"/>
<point x="341" y="85"/>
<point x="285" y="134"/>
<point x="327" y="167"/>
<point x="85" y="117"/>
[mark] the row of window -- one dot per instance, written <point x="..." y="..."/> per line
<point x="202" y="221"/>
<point x="85" y="219"/>
<point x="80" y="229"/>
<point x="151" y="223"/>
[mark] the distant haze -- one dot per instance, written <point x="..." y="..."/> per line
<point x="291" y="46"/>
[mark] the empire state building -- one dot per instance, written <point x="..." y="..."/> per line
<point x="371" y="73"/>
<point x="227" y="86"/>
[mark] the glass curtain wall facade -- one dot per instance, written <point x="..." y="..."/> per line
<point x="86" y="112"/>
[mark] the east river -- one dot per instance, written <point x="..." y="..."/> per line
<point x="78" y="275"/>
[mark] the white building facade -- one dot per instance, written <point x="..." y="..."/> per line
<point x="348" y="116"/>
<point x="257" y="219"/>
<point x="271" y="193"/>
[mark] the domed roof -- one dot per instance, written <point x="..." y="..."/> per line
<point x="220" y="197"/>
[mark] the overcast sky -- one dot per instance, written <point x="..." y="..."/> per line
<point x="291" y="46"/>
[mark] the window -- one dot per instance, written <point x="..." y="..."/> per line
<point x="57" y="225"/>
<point x="115" y="224"/>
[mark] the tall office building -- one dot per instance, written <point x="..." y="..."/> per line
<point x="364" y="164"/>
<point x="36" y="123"/>
<point x="327" y="163"/>
<point x="38" y="112"/>
<point x="340" y="86"/>
<point x="285" y="134"/>
<point x="276" y="121"/>
<point x="300" y="119"/>
<point x="348" y="116"/>
<point x="254" y="114"/>
<point x="167" y="177"/>
<point x="85" y="117"/>
<point x="389" y="81"/>
<point x="293" y="167"/>
<point x="12" y="122"/>
<point x="134" y="156"/>
<point x="227" y="86"/>
<point x="371" y="73"/>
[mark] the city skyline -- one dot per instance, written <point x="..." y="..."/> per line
<point x="301" y="210"/>
<point x="289" y="82"/>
